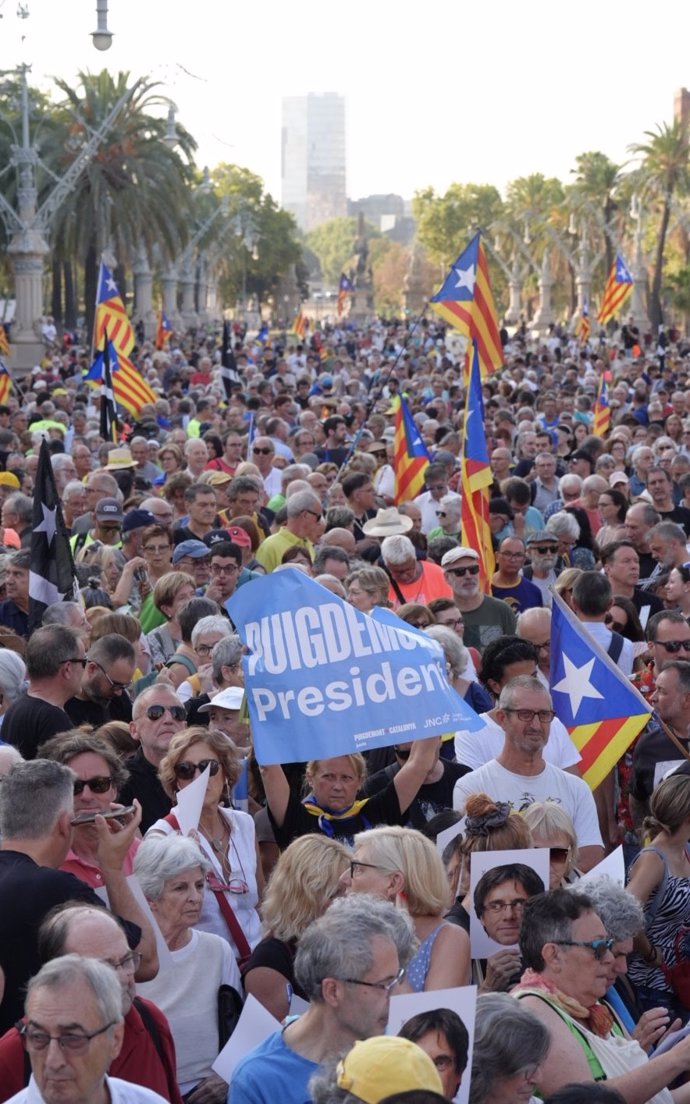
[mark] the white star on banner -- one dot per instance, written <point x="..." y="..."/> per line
<point x="47" y="526"/>
<point x="466" y="278"/>
<point x="576" y="683"/>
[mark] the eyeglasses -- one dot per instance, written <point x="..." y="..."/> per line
<point x="441" y="513"/>
<point x="186" y="770"/>
<point x="118" y="687"/>
<point x="74" y="1043"/>
<point x="460" y="571"/>
<point x="177" y="712"/>
<point x="527" y="715"/>
<point x="385" y="986"/>
<point x="453" y="624"/>
<point x="129" y="964"/>
<point x="262" y="451"/>
<point x="156" y="549"/>
<point x="674" y="645"/>
<point x="319" y="517"/>
<point x="223" y="569"/>
<point x="599" y="947"/>
<point x="516" y="905"/>
<point x="204" y="649"/>
<point x="77" y="659"/>
<point x="559" y="854"/>
<point x="99" y="784"/>
<point x="355" y="865"/>
<point x="543" y="550"/>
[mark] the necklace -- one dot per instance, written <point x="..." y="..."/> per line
<point x="219" y="845"/>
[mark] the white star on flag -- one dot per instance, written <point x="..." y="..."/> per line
<point x="576" y="683"/>
<point x="47" y="526"/>
<point x="466" y="278"/>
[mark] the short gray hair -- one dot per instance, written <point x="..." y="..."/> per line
<point x="508" y="1038"/>
<point x="454" y="651"/>
<point x="397" y="549"/>
<point x="563" y="525"/>
<point x="158" y="859"/>
<point x="12" y="674"/>
<point x="620" y="913"/>
<point x="21" y="505"/>
<point x="520" y="682"/>
<point x="60" y="613"/>
<point x="32" y="797"/>
<point x="301" y="501"/>
<point x="338" y="944"/>
<point x="100" y="978"/>
<point x="226" y="653"/>
<point x="213" y="623"/>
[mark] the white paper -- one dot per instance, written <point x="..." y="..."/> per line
<point x="298" y="1006"/>
<point x="537" y="858"/>
<point x="165" y="957"/>
<point x="254" y="1025"/>
<point x="448" y="835"/>
<point x="462" y="1000"/>
<point x="190" y="802"/>
<point x="613" y="866"/>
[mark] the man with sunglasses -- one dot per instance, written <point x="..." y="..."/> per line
<point x="157" y="715"/>
<point x="485" y="618"/>
<point x="102" y="695"/>
<point x="304" y="527"/>
<point x="55" y="661"/>
<point x="520" y="775"/>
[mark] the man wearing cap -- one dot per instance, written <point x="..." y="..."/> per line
<point x="485" y="618"/>
<point x="304" y="526"/>
<point x="508" y="583"/>
<point x="223" y="712"/>
<point x="194" y="557"/>
<point x="133" y="525"/>
<point x="107" y="526"/>
<point x="542" y="549"/>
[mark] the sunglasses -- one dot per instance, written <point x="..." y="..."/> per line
<point x="599" y="947"/>
<point x="77" y="659"/>
<point x="460" y="571"/>
<point x="118" y="687"/>
<point x="100" y="784"/>
<point x="674" y="645"/>
<point x="262" y="452"/>
<point x="543" y="550"/>
<point x="186" y="770"/>
<point x="559" y="854"/>
<point x="177" y="712"/>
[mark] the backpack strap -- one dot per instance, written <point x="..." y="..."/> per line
<point x="616" y="646"/>
<point x="152" y="1028"/>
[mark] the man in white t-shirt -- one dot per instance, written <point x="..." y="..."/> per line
<point x="520" y="775"/>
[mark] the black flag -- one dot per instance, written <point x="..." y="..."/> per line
<point x="228" y="364"/>
<point x="51" y="571"/>
<point x="108" y="427"/>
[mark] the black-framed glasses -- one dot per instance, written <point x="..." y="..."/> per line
<point x="224" y="569"/>
<point x="515" y="905"/>
<point x="319" y="517"/>
<point x="177" y="712"/>
<point x="473" y="569"/>
<point x="544" y="549"/>
<point x="185" y="770"/>
<point x="262" y="451"/>
<point x="99" y="784"/>
<point x="674" y="645"/>
<point x="118" y="687"/>
<point x="77" y="659"/>
<point x="384" y="986"/>
<point x="559" y="854"/>
<point x="527" y="715"/>
<point x="599" y="947"/>
<point x="355" y="864"/>
<point x="74" y="1042"/>
<point x="204" y="649"/>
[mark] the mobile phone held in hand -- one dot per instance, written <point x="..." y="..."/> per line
<point x="112" y="814"/>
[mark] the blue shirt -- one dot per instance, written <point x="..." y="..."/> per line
<point x="271" y="1073"/>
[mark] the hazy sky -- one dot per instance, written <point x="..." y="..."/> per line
<point x="435" y="92"/>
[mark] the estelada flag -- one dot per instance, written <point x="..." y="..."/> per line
<point x="618" y="287"/>
<point x="466" y="301"/>
<point x="410" y="456"/>
<point x="476" y="478"/>
<point x="601" y="709"/>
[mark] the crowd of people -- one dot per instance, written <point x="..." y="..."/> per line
<point x="325" y="882"/>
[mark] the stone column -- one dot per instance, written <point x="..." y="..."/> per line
<point x="169" y="286"/>
<point x="515" y="291"/>
<point x="544" y="316"/>
<point x="143" y="294"/>
<point x="189" y="315"/>
<point x="583" y="280"/>
<point x="638" y="300"/>
<point x="27" y="249"/>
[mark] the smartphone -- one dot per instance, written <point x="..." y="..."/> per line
<point x="113" y="814"/>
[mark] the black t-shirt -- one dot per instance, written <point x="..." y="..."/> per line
<point x="276" y="954"/>
<point x="642" y="598"/>
<point x="653" y="747"/>
<point x="144" y="784"/>
<point x="383" y="808"/>
<point x="86" y="712"/>
<point x="30" y="721"/>
<point x="432" y="798"/>
<point x="679" y="514"/>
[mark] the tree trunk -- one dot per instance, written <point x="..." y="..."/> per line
<point x="56" y="293"/>
<point x="655" y="312"/>
<point x="90" y="289"/>
<point x="70" y="299"/>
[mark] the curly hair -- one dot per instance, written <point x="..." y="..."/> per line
<point x="197" y="734"/>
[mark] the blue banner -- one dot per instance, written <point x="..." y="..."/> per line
<point x="323" y="679"/>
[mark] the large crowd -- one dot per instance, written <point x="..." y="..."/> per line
<point x="323" y="888"/>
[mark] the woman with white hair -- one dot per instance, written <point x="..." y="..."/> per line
<point x="411" y="580"/>
<point x="509" y="1046"/>
<point x="12" y="679"/>
<point x="205" y="635"/>
<point x="172" y="874"/>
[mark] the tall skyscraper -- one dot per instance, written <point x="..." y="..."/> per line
<point x="313" y="158"/>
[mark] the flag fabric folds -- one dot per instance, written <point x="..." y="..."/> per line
<point x="129" y="388"/>
<point x="228" y="365"/>
<point x="300" y="325"/>
<point x="476" y="478"/>
<point x="618" y="287"/>
<point x="345" y="288"/>
<point x="4" y="343"/>
<point x="410" y="456"/>
<point x="583" y="327"/>
<point x="108" y="420"/>
<point x="466" y="302"/>
<point x="602" y="410"/>
<point x="602" y="711"/>
<point x="51" y="569"/>
<point x="164" y="330"/>
<point x="5" y="383"/>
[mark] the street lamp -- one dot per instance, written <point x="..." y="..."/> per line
<point x="102" y="37"/>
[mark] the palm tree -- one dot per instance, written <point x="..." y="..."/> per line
<point x="664" y="171"/>
<point x="133" y="191"/>
<point x="597" y="178"/>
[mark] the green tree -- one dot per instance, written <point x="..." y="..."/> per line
<point x="597" y="179"/>
<point x="445" y="224"/>
<point x="664" y="172"/>
<point x="333" y="242"/>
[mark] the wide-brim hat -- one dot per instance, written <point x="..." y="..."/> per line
<point x="387" y="523"/>
<point x="119" y="458"/>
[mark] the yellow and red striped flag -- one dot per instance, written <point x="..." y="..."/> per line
<point x="4" y="343"/>
<point x="466" y="301"/>
<point x="618" y="287"/>
<point x="583" y="327"/>
<point x="129" y="388"/>
<point x="300" y="325"/>
<point x="476" y="478"/>
<point x="410" y="456"/>
<point x="5" y="383"/>
<point x="602" y="410"/>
